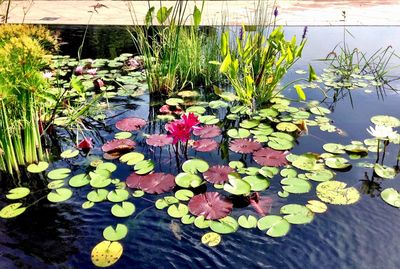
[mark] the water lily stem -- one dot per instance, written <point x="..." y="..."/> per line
<point x="385" y="143"/>
<point x="377" y="152"/>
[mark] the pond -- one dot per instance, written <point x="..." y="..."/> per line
<point x="360" y="235"/>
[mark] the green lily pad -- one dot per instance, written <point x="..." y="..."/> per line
<point x="174" y="101"/>
<point x="59" y="195"/>
<point x="117" y="196"/>
<point x="283" y="194"/>
<point x="124" y="210"/>
<point x="187" y="180"/>
<point x="236" y="185"/>
<point x="307" y="162"/>
<point x="55" y="184"/>
<point x="236" y="164"/>
<point x="37" y="168"/>
<point x="268" y="171"/>
<point x="195" y="165"/>
<point x="100" y="178"/>
<point x="115" y="234"/>
<point x="79" y="180"/>
<point x="247" y="222"/>
<point x="144" y="167"/>
<point x="211" y="239"/>
<point x="321" y="175"/>
<point x="218" y="104"/>
<point x="18" y="193"/>
<point x="177" y="210"/>
<point x="276" y="226"/>
<point x="188" y="94"/>
<point x="319" y="110"/>
<point x="166" y="201"/>
<point x="316" y="206"/>
<point x="132" y="158"/>
<point x="107" y="166"/>
<point x="106" y="253"/>
<point x="391" y="196"/>
<point x="184" y="195"/>
<point x="295" y="185"/>
<point x="138" y="193"/>
<point x="337" y="163"/>
<point x="123" y="135"/>
<point x="69" y="153"/>
<point x="287" y="127"/>
<point x="225" y="225"/>
<point x="358" y="149"/>
<point x="257" y="183"/>
<point x="12" y="210"/>
<point x="280" y="141"/>
<point x="334" y="148"/>
<point x="59" y="173"/>
<point x="202" y="223"/>
<point x="288" y="172"/>
<point x="268" y="113"/>
<point x="97" y="196"/>
<point x="384" y="171"/>
<point x="238" y="133"/>
<point x="209" y="119"/>
<point x="336" y="193"/>
<point x="297" y="214"/>
<point x="87" y="205"/>
<point x="249" y="124"/>
<point x="199" y="110"/>
<point x="384" y="120"/>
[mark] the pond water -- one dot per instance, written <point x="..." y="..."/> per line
<point x="362" y="235"/>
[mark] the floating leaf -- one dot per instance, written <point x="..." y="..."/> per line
<point x="276" y="226"/>
<point x="166" y="201"/>
<point x="217" y="174"/>
<point x="106" y="253"/>
<point x="307" y="162"/>
<point x="186" y="180"/>
<point x="87" y="204"/>
<point x="384" y="171"/>
<point x="138" y="193"/>
<point x="117" y="196"/>
<point x="225" y="225"/>
<point x="79" y="180"/>
<point x="100" y="178"/>
<point x="295" y="185"/>
<point x="209" y="119"/>
<point x="69" y="153"/>
<point x="132" y="158"/>
<point x="59" y="173"/>
<point x="184" y="195"/>
<point x="144" y="167"/>
<point x="98" y="195"/>
<point x="208" y="131"/>
<point x="211" y="205"/>
<point x="316" y="206"/>
<point x="238" y="133"/>
<point x="336" y="193"/>
<point x="211" y="239"/>
<point x="195" y="165"/>
<point x="236" y="185"/>
<point x="124" y="210"/>
<point x="107" y="166"/>
<point x="244" y="146"/>
<point x="130" y="124"/>
<point x="118" y="145"/>
<point x="297" y="214"/>
<point x="157" y="183"/>
<point x="318" y="110"/>
<point x="55" y="184"/>
<point x="279" y="143"/>
<point x="270" y="157"/>
<point x="199" y="110"/>
<point x="177" y="211"/>
<point x="287" y="127"/>
<point x="187" y="219"/>
<point x="59" y="195"/>
<point x="159" y="140"/>
<point x="202" y="223"/>
<point x="116" y="234"/>
<point x="187" y="94"/>
<point x="174" y="101"/>
<point x="322" y="175"/>
<point x="12" y="210"/>
<point x="123" y="135"/>
<point x="236" y="164"/>
<point x="257" y="183"/>
<point x="283" y="194"/>
<point x="218" y="104"/>
<point x="38" y="168"/>
<point x="337" y="163"/>
<point x="249" y="124"/>
<point x="358" y="149"/>
<point x="18" y="193"/>
<point x="205" y="145"/>
<point x="390" y="196"/>
<point x="334" y="148"/>
<point x="247" y="222"/>
<point x="384" y="120"/>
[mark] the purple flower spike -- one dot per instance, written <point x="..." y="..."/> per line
<point x="276" y="12"/>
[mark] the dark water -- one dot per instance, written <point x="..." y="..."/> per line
<point x="363" y="235"/>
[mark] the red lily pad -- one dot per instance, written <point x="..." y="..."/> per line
<point x="244" y="146"/>
<point x="262" y="205"/>
<point x="85" y="144"/>
<point x="159" y="140"/>
<point x="270" y="157"/>
<point x="217" y="174"/>
<point x="208" y="131"/>
<point x="156" y="183"/>
<point x="211" y="205"/>
<point x="205" y="145"/>
<point x="130" y="124"/>
<point x="118" y="145"/>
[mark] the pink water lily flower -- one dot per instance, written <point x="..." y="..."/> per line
<point x="85" y="144"/>
<point x="79" y="70"/>
<point x="190" y="119"/>
<point x="180" y="130"/>
<point x="92" y="71"/>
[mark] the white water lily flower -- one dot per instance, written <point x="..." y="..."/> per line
<point x="382" y="132"/>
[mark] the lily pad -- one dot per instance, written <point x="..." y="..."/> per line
<point x="174" y="101"/>
<point x="209" y="119"/>
<point x="144" y="167"/>
<point x="218" y="104"/>
<point x="107" y="166"/>
<point x="177" y="210"/>
<point x="238" y="133"/>
<point x="87" y="204"/>
<point x="124" y="210"/>
<point x="247" y="222"/>
<point x="205" y="145"/>
<point x="334" y="148"/>
<point x="37" y="168"/>
<point x="297" y="214"/>
<point x="59" y="173"/>
<point x="384" y="171"/>
<point x="236" y="185"/>
<point x="132" y="158"/>
<point x="69" y="153"/>
<point x="79" y="180"/>
<point x="195" y="165"/>
<point x="199" y="110"/>
<point x="208" y="131"/>
<point x="225" y="225"/>
<point x="202" y="223"/>
<point x="307" y="162"/>
<point x="384" y="120"/>
<point x="123" y="135"/>
<point x="130" y="124"/>
<point x="321" y="175"/>
<point x="12" y="210"/>
<point x="106" y="253"/>
<point x="249" y="124"/>
<point x="276" y="226"/>
<point x="211" y="239"/>
<point x="188" y="219"/>
<point x="187" y="180"/>
<point x="159" y="140"/>
<point x="59" y="195"/>
<point x="391" y="196"/>
<point x="211" y="205"/>
<point x="257" y="183"/>
<point x="98" y="195"/>
<point x="117" y="196"/>
<point x="115" y="234"/>
<point x="244" y="146"/>
<point x="295" y="185"/>
<point x="166" y="201"/>
<point x="184" y="195"/>
<point x="270" y="157"/>
<point x="55" y="184"/>
<point x="217" y="174"/>
<point x="316" y="206"/>
<point x="287" y="127"/>
<point x="337" y="163"/>
<point x="18" y="193"/>
<point x="335" y="192"/>
<point x="279" y="143"/>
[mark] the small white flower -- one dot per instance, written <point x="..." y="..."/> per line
<point x="47" y="75"/>
<point x="382" y="132"/>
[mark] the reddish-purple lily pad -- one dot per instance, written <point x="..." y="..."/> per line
<point x="211" y="205"/>
<point x="205" y="145"/>
<point x="118" y="145"/>
<point x="159" y="140"/>
<point x="130" y="124"/>
<point x="208" y="131"/>
<point x="156" y="183"/>
<point x="244" y="146"/>
<point x="270" y="157"/>
<point x="217" y="174"/>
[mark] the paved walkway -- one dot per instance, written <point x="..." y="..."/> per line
<point x="291" y="12"/>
